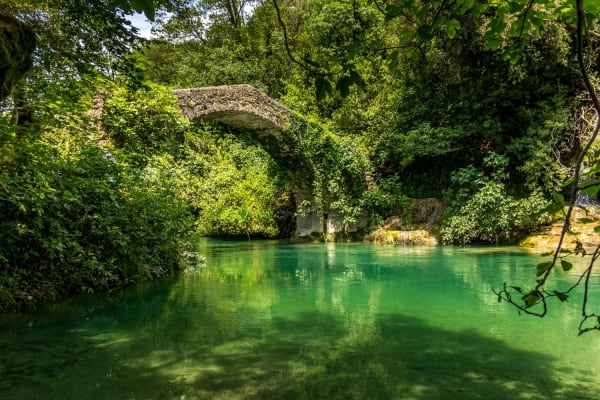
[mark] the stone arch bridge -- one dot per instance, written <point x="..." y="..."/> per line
<point x="261" y="119"/>
<point x="258" y="119"/>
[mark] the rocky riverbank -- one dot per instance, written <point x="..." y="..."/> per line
<point x="582" y="228"/>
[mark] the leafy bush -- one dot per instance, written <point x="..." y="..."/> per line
<point x="336" y="173"/>
<point x="492" y="216"/>
<point x="232" y="188"/>
<point x="73" y="219"/>
<point x="144" y="123"/>
<point x="384" y="200"/>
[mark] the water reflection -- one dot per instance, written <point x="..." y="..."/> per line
<point x="270" y="321"/>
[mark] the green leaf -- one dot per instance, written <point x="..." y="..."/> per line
<point x="322" y="88"/>
<point x="425" y="32"/>
<point x="479" y="9"/>
<point x="465" y="6"/>
<point x="558" y="198"/>
<point x="543" y="267"/>
<point x="554" y="208"/>
<point x="411" y="52"/>
<point x="591" y="187"/>
<point x="561" y="296"/>
<point x="568" y="182"/>
<point x="405" y="36"/>
<point x="597" y="229"/>
<point x="392" y="10"/>
<point x="518" y="289"/>
<point x="422" y="9"/>
<point x="585" y="220"/>
<point x="531" y="298"/>
<point x="566" y="266"/>
<point x="497" y="26"/>
<point x="451" y="27"/>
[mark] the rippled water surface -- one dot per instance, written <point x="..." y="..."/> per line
<point x="269" y="320"/>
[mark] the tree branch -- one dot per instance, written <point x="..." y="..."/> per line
<point x="539" y="293"/>
<point x="287" y="46"/>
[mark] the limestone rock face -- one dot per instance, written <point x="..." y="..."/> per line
<point x="547" y="239"/>
<point x="427" y="211"/>
<point x="422" y="214"/>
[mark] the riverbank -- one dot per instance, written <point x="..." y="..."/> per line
<point x="582" y="230"/>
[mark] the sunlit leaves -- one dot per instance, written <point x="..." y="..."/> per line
<point x="452" y="26"/>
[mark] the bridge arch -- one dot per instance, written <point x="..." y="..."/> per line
<point x="262" y="120"/>
<point x="259" y="119"/>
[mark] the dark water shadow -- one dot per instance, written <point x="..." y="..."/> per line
<point x="399" y="357"/>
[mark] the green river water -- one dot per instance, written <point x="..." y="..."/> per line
<point x="270" y="320"/>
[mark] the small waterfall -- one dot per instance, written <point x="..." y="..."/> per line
<point x="582" y="199"/>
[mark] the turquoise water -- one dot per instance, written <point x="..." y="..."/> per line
<point x="266" y="320"/>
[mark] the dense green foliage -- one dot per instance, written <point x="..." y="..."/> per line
<point x="230" y="186"/>
<point x="478" y="207"/>
<point x="74" y="219"/>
